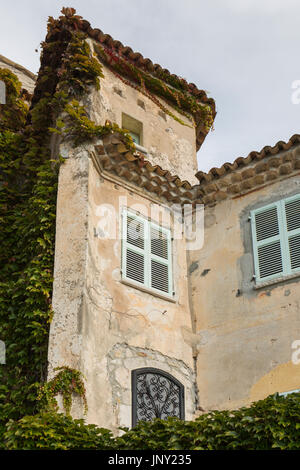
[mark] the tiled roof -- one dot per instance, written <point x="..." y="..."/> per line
<point x="230" y="181"/>
<point x="254" y="172"/>
<point x="251" y="158"/>
<point x="19" y="67"/>
<point x="113" y="156"/>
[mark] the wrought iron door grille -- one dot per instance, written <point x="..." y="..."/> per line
<point x="155" y="394"/>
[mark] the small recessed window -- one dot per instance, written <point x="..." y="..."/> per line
<point x="134" y="128"/>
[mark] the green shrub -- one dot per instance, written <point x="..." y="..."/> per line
<point x="55" y="431"/>
<point x="273" y="423"/>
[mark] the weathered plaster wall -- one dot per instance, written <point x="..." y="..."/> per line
<point x="122" y="359"/>
<point x="26" y="77"/>
<point x="102" y="326"/>
<point x="244" y="335"/>
<point x="169" y="143"/>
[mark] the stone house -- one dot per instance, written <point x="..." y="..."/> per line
<point x="159" y="326"/>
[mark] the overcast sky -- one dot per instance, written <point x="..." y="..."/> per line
<point x="244" y="53"/>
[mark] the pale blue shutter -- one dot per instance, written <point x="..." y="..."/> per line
<point x="146" y="254"/>
<point x="267" y="242"/>
<point x="160" y="256"/>
<point x="276" y="239"/>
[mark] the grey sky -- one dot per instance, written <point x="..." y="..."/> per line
<point x="244" y="53"/>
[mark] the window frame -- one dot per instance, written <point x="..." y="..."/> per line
<point x="283" y="237"/>
<point x="148" y="256"/>
<point x="284" y="394"/>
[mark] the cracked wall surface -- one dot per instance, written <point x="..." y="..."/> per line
<point x="94" y="310"/>
<point x="118" y="313"/>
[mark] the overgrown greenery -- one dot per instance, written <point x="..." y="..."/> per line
<point x="75" y="124"/>
<point x="27" y="221"/>
<point x="273" y="423"/>
<point x="178" y="94"/>
<point x="28" y="190"/>
<point x="50" y="430"/>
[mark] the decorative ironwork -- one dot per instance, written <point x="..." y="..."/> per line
<point x="156" y="394"/>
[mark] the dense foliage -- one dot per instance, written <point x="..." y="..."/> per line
<point x="273" y="423"/>
<point x="27" y="224"/>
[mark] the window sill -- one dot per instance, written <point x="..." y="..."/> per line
<point x="149" y="291"/>
<point x="142" y="149"/>
<point x="276" y="281"/>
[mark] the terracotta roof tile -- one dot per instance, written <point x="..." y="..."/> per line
<point x="135" y="168"/>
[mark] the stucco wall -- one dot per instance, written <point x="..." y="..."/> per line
<point x="26" y="77"/>
<point x="244" y="335"/>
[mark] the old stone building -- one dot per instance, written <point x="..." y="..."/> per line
<point x="158" y="325"/>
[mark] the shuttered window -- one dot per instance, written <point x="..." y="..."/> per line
<point x="146" y="254"/>
<point x="276" y="239"/>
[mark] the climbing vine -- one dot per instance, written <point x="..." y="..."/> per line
<point x="28" y="191"/>
<point x="67" y="382"/>
<point x="178" y="94"/>
<point x="269" y="424"/>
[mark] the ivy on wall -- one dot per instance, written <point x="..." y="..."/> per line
<point x="273" y="423"/>
<point x="177" y="94"/>
<point x="28" y="190"/>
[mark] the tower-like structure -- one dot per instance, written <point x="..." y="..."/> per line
<point x="161" y="318"/>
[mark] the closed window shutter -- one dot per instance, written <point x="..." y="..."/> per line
<point x="160" y="259"/>
<point x="294" y="248"/>
<point x="267" y="244"/>
<point x="135" y="232"/>
<point x="269" y="259"/>
<point x="133" y="253"/>
<point x="276" y="239"/>
<point x="292" y="215"/>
